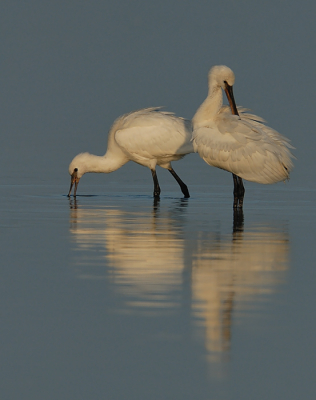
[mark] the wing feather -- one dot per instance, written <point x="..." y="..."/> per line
<point x="154" y="134"/>
<point x="244" y="146"/>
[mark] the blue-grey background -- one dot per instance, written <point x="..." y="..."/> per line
<point x="68" y="70"/>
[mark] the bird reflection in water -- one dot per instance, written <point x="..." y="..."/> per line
<point x="148" y="254"/>
<point x="73" y="203"/>
<point x="143" y="250"/>
<point x="231" y="276"/>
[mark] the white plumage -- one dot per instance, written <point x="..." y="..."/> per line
<point x="148" y="137"/>
<point x="236" y="141"/>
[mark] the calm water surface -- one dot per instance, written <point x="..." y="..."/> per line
<point x="116" y="296"/>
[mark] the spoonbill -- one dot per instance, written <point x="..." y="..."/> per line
<point x="148" y="137"/>
<point x="240" y="143"/>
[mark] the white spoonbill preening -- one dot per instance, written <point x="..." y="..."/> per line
<point x="148" y="137"/>
<point x="240" y="143"/>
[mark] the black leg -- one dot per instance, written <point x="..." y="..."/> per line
<point x="183" y="186"/>
<point x="238" y="222"/>
<point x="156" y="204"/>
<point x="239" y="192"/>
<point x="156" y="184"/>
<point x="241" y="189"/>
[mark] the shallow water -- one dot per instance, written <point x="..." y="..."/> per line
<point x="117" y="296"/>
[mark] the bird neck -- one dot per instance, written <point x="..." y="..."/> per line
<point x="104" y="164"/>
<point x="210" y="107"/>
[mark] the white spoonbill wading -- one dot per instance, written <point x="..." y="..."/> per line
<point x="148" y="137"/>
<point x="240" y="143"/>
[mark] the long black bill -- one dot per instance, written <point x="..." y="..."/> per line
<point x="230" y="97"/>
<point x="74" y="180"/>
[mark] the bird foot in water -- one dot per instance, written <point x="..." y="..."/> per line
<point x="186" y="194"/>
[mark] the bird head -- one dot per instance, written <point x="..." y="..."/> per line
<point x="77" y="168"/>
<point x="222" y="76"/>
<point x="219" y="74"/>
